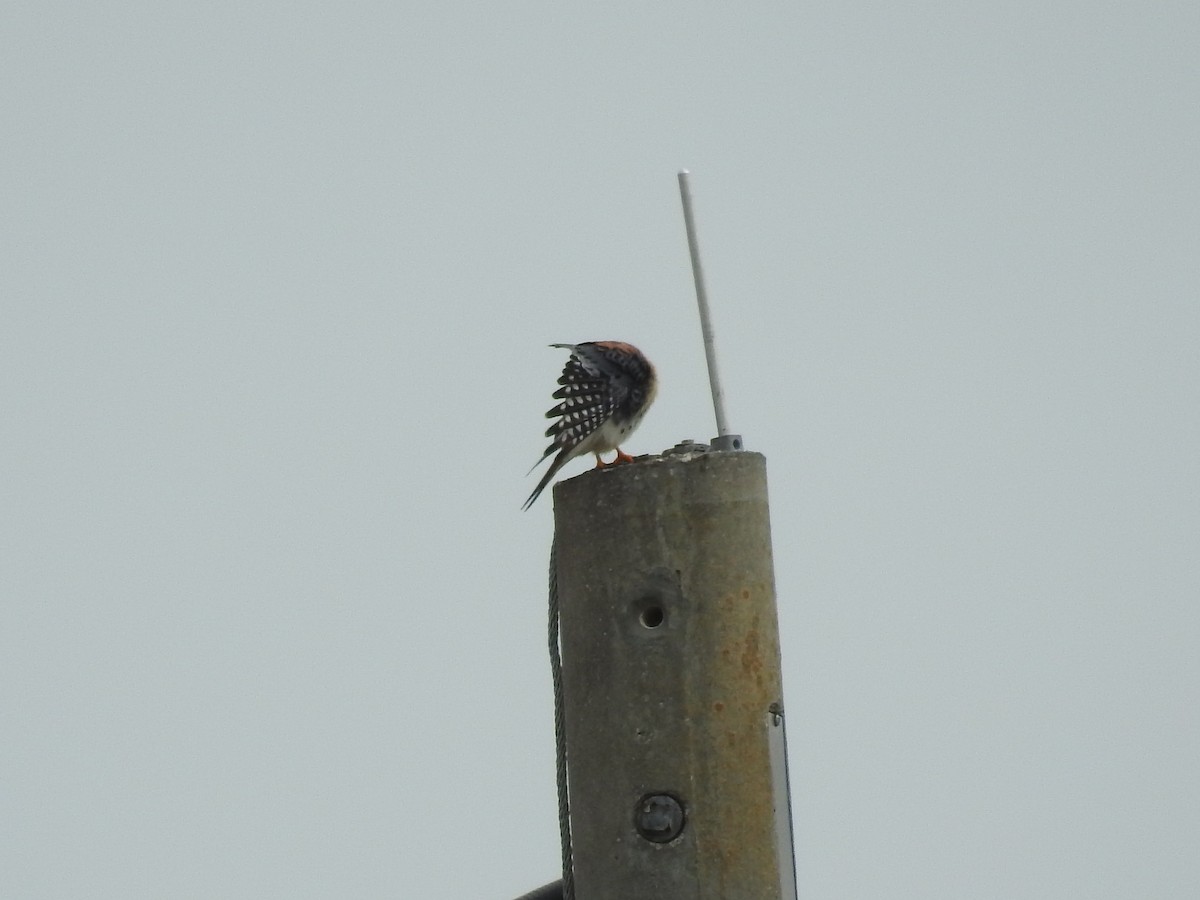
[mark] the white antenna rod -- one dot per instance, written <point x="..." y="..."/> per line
<point x="724" y="440"/>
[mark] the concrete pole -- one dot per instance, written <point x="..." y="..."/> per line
<point x="671" y="681"/>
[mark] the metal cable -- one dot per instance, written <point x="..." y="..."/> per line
<point x="560" y="733"/>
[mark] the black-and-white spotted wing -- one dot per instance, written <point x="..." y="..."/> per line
<point x="605" y="389"/>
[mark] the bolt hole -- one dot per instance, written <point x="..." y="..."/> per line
<point x="737" y="444"/>
<point x="652" y="616"/>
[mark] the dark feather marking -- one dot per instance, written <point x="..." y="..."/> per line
<point x="600" y="380"/>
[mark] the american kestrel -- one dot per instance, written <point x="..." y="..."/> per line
<point x="607" y="386"/>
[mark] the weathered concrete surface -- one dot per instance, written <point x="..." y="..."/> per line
<point x="670" y="666"/>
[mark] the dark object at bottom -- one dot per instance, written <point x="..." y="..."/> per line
<point x="552" y="891"/>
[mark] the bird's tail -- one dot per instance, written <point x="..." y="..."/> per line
<point x="550" y="473"/>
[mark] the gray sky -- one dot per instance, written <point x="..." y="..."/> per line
<point x="277" y="283"/>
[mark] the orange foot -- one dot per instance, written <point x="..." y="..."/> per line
<point x="621" y="457"/>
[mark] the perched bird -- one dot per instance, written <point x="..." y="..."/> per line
<point x="607" y="386"/>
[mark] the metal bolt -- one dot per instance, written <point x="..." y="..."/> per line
<point x="659" y="818"/>
<point x="775" y="711"/>
<point x="686" y="448"/>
